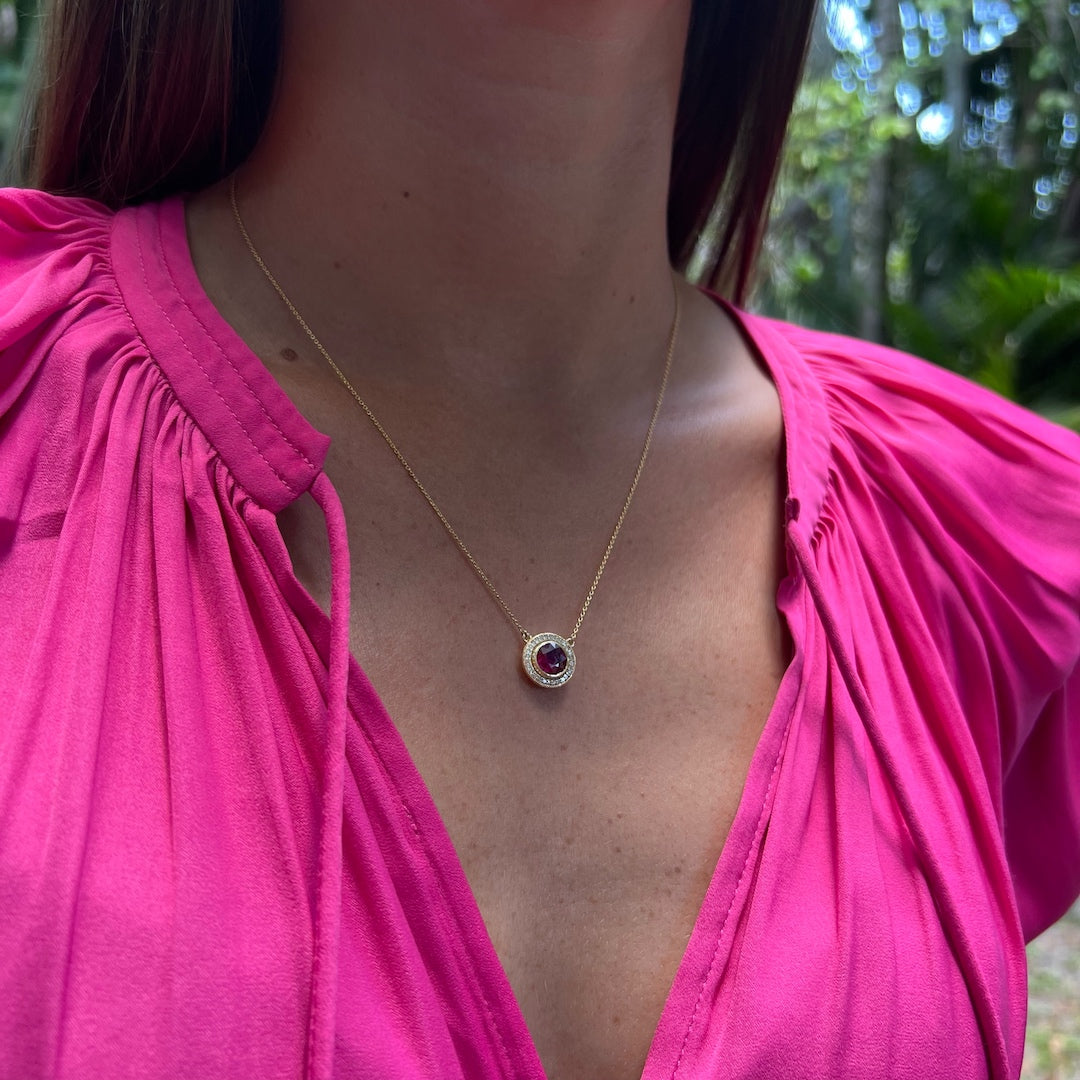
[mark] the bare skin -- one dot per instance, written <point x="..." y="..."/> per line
<point x="466" y="200"/>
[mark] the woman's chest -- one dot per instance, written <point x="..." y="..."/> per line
<point x="589" y="819"/>
<point x="833" y="935"/>
<point x="590" y="840"/>
<point x="588" y="826"/>
<point x="588" y="823"/>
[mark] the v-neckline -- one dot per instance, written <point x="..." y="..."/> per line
<point x="670" y="1051"/>
<point x="275" y="454"/>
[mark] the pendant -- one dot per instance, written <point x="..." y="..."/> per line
<point x="548" y="660"/>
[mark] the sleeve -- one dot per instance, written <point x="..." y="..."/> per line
<point x="990" y="494"/>
<point x="1042" y="820"/>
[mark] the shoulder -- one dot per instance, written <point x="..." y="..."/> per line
<point x="957" y="455"/>
<point x="64" y="331"/>
<point x="962" y="507"/>
<point x="61" y="313"/>
<point x="43" y="236"/>
<point x="28" y="210"/>
<point x="54" y="268"/>
<point x="925" y="403"/>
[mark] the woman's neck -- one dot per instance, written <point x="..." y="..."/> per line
<point x="476" y="188"/>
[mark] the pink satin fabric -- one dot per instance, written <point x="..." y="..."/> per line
<point x="218" y="860"/>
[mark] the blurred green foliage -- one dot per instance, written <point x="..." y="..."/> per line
<point x="930" y="197"/>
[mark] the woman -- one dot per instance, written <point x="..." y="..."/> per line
<point x="814" y="777"/>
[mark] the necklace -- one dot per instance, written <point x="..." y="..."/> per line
<point x="548" y="659"/>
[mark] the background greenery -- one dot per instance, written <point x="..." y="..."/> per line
<point x="930" y="200"/>
<point x="930" y="196"/>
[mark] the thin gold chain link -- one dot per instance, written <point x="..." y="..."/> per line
<point x="672" y="339"/>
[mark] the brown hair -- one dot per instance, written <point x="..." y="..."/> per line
<point x="137" y="99"/>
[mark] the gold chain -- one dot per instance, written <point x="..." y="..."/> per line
<point x="672" y="339"/>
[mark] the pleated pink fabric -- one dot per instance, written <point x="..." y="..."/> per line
<point x="218" y="860"/>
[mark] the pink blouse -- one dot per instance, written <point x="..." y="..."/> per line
<point x="218" y="860"/>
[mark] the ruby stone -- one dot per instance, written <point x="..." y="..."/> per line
<point x="551" y="659"/>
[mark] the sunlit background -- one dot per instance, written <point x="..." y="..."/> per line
<point x="929" y="199"/>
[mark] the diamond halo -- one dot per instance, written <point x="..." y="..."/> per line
<point x="531" y="663"/>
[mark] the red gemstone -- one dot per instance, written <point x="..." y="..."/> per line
<point x="551" y="659"/>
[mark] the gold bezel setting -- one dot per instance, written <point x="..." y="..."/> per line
<point x="535" y="673"/>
